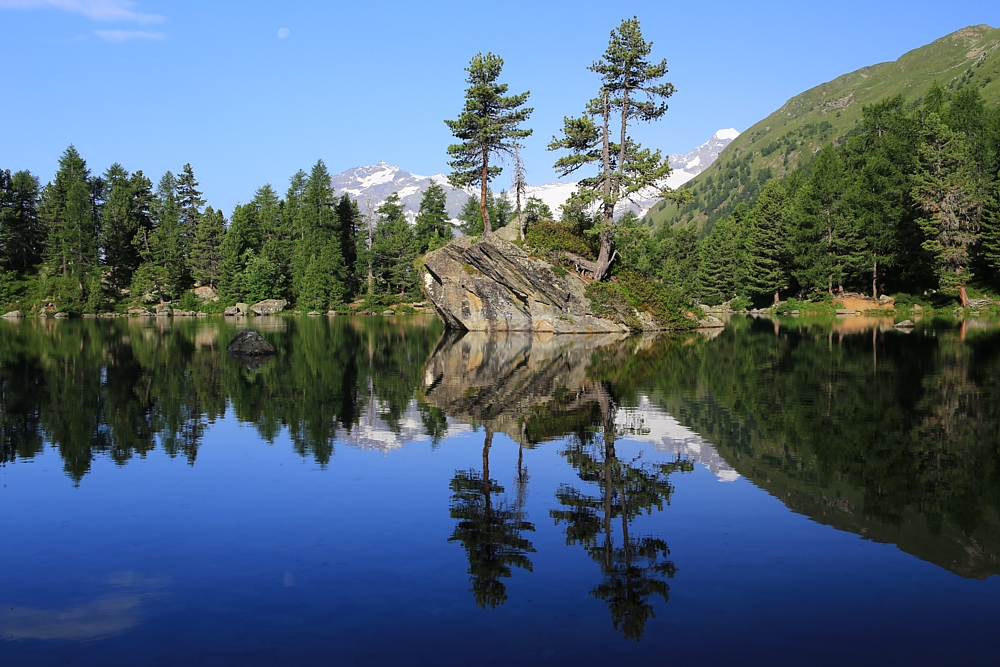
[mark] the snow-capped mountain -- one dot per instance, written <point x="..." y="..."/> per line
<point x="373" y="185"/>
<point x="686" y="166"/>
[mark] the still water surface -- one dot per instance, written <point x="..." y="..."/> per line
<point x="384" y="492"/>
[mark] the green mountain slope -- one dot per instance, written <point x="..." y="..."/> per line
<point x="795" y="132"/>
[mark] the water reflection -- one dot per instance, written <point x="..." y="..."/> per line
<point x="891" y="435"/>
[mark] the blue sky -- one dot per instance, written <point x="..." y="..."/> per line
<point x="155" y="84"/>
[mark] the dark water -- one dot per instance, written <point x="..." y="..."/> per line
<point x="385" y="493"/>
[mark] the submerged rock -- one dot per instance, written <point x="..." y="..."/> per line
<point x="905" y="324"/>
<point x="249" y="343"/>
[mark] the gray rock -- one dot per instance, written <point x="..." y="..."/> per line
<point x="61" y="316"/>
<point x="711" y="322"/>
<point x="89" y="316"/>
<point x="846" y="311"/>
<point x="905" y="324"/>
<point x="206" y="293"/>
<point x="313" y="313"/>
<point x="495" y="286"/>
<point x="14" y="315"/>
<point x="917" y="308"/>
<point x="249" y="343"/>
<point x="201" y="314"/>
<point x="331" y="313"/>
<point x="389" y="312"/>
<point x="268" y="306"/>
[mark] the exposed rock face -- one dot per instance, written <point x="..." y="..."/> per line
<point x="268" y="306"/>
<point x="249" y="343"/>
<point x="495" y="286"/>
<point x="206" y="293"/>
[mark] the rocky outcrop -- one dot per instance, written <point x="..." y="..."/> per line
<point x="496" y="286"/>
<point x="14" y="315"/>
<point x="206" y="293"/>
<point x="269" y="306"/>
<point x="249" y="343"/>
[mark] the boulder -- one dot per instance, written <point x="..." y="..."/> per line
<point x="237" y="310"/>
<point x="905" y="324"/>
<point x="331" y="313"/>
<point x="138" y="311"/>
<point x="885" y="298"/>
<point x="917" y="308"/>
<point x="313" y="313"/>
<point x="201" y="314"/>
<point x="249" y="343"/>
<point x="268" y="306"/>
<point x="89" y="316"/>
<point x="711" y="322"/>
<point x="206" y="293"/>
<point x="14" y="315"/>
<point x="496" y="286"/>
<point x="61" y="316"/>
<point x="389" y="312"/>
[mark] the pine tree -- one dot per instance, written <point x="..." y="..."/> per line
<point x="432" y="228"/>
<point x="21" y="235"/>
<point x="240" y="238"/>
<point x="206" y="247"/>
<point x="535" y="209"/>
<point x="722" y="259"/>
<point x="394" y="249"/>
<point x="488" y="126"/>
<point x="168" y="248"/>
<point x="946" y="192"/>
<point x="316" y="226"/>
<point x="67" y="212"/>
<point x="350" y="220"/>
<point x="125" y="215"/>
<point x="825" y="239"/>
<point x="626" y="169"/>
<point x="189" y="203"/>
<point x="766" y="267"/>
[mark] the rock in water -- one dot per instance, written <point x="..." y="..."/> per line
<point x="14" y="315"/>
<point x="268" y="306"/>
<point x="495" y="286"/>
<point x="249" y="343"/>
<point x="905" y="324"/>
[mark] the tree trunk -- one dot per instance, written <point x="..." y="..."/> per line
<point x="963" y="296"/>
<point x="875" y="278"/>
<point x="487" y="228"/>
<point x="486" y="468"/>
<point x="776" y="297"/>
<point x="604" y="259"/>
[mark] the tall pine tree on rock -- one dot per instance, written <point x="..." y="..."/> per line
<point x="489" y="126"/>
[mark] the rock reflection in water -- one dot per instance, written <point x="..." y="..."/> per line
<point x="534" y="388"/>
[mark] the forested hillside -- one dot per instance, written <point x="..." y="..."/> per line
<point x="909" y="202"/>
<point x="829" y="113"/>
<point x="89" y="243"/>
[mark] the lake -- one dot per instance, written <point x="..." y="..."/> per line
<point x="383" y="491"/>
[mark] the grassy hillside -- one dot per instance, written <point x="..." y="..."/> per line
<point x="794" y="133"/>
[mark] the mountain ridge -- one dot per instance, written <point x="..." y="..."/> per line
<point x="788" y="137"/>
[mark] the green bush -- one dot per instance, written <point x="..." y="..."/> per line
<point x="619" y="299"/>
<point x="740" y="303"/>
<point x="558" y="237"/>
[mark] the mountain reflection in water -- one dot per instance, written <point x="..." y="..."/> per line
<point x="890" y="435"/>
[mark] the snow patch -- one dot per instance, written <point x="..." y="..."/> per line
<point x="729" y="133"/>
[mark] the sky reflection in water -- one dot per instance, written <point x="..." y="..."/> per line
<point x="385" y="492"/>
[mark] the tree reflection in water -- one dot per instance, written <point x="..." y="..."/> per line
<point x="635" y="568"/>
<point x="490" y="532"/>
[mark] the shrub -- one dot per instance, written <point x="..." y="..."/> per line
<point x="559" y="237"/>
<point x="740" y="303"/>
<point x="619" y="299"/>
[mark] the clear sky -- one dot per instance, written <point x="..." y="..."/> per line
<point x="248" y="92"/>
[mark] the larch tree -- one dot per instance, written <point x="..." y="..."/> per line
<point x="489" y="126"/>
<point x="631" y="90"/>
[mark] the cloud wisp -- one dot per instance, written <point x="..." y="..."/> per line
<point x="97" y="10"/>
<point x="128" y="35"/>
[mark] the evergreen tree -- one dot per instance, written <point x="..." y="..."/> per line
<point x="165" y="277"/>
<point x="206" y="247"/>
<point x="535" y="209"/>
<point x="316" y="226"/>
<point x="946" y="192"/>
<point x="394" y="250"/>
<point x="125" y="216"/>
<point x="626" y="169"/>
<point x="67" y="212"/>
<point x="189" y="203"/>
<point x="261" y="278"/>
<point x="350" y="220"/>
<point x="766" y="268"/>
<point x="240" y="238"/>
<point x="722" y="259"/>
<point x="21" y="234"/>
<point x="499" y="208"/>
<point x="432" y="228"/>
<point x="825" y="243"/>
<point x="488" y="126"/>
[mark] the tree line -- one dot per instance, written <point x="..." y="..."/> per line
<point x="94" y="243"/>
<point x="907" y="202"/>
